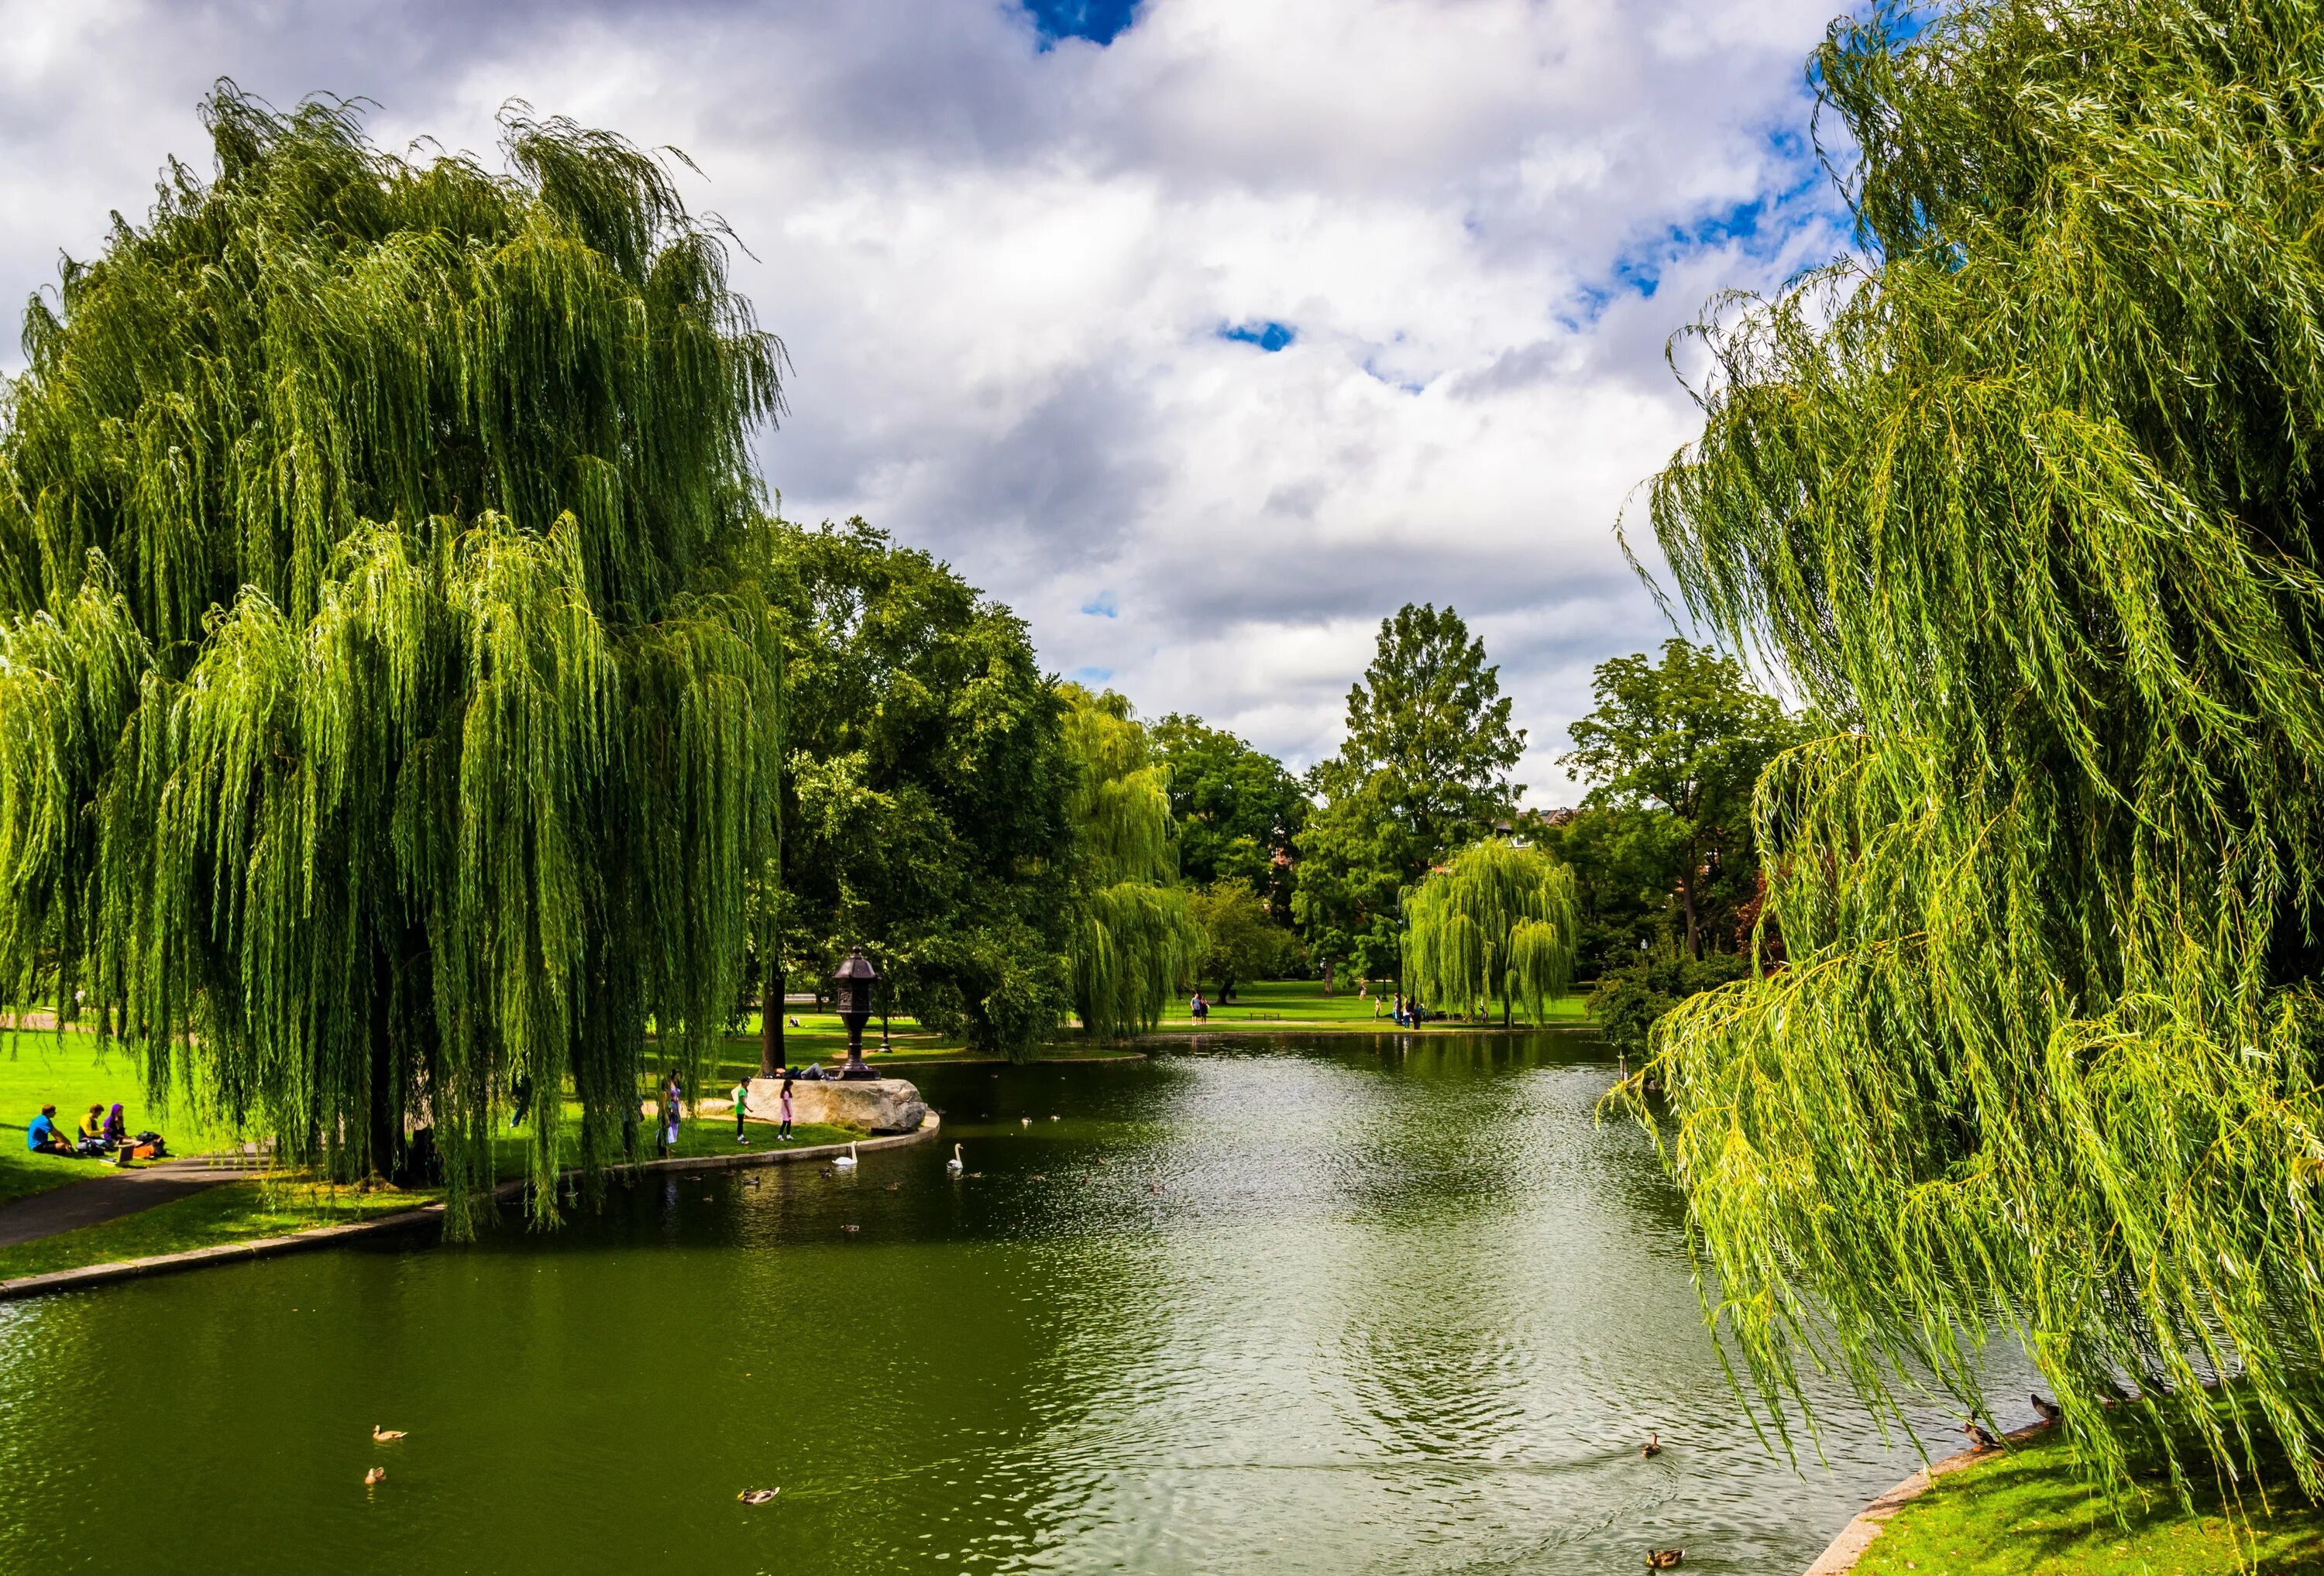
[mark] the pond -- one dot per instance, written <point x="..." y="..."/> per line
<point x="1343" y="1303"/>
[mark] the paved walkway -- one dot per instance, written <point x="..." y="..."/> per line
<point x="107" y="1196"/>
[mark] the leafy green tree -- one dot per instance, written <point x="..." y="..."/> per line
<point x="1629" y="1000"/>
<point x="1133" y="939"/>
<point x="387" y="674"/>
<point x="1240" y="939"/>
<point x="1237" y="809"/>
<point x="929" y="789"/>
<point x="1687" y="737"/>
<point x="1497" y="920"/>
<point x="1622" y="858"/>
<point x="1424" y="770"/>
<point x="2031" y="490"/>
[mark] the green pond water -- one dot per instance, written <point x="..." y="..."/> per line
<point x="1335" y="1305"/>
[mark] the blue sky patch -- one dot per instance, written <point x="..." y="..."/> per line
<point x="1099" y="21"/>
<point x="1269" y="336"/>
<point x="1102" y="605"/>
<point x="1090" y="675"/>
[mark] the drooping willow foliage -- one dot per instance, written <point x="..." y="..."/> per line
<point x="1134" y="941"/>
<point x="391" y="704"/>
<point x="1498" y="922"/>
<point x="2033" y="496"/>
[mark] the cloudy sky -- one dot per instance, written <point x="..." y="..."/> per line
<point x="1204" y="334"/>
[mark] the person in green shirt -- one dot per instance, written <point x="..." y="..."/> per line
<point x="742" y="1109"/>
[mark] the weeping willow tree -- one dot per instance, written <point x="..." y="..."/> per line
<point x="391" y="704"/>
<point x="1134" y="941"/>
<point x="2031" y="496"/>
<point x="1498" y="921"/>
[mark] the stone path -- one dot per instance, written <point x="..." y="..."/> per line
<point x="107" y="1196"/>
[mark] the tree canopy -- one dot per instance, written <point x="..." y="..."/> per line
<point x="1496" y="923"/>
<point x="1236" y="809"/>
<point x="928" y="787"/>
<point x="1424" y="770"/>
<point x="1134" y="941"/>
<point x="388" y="680"/>
<point x="1687" y="736"/>
<point x="2031" y="490"/>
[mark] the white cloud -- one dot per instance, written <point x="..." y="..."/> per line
<point x="1001" y="271"/>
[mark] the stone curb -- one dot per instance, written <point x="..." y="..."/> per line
<point x="92" y="1274"/>
<point x="1840" y="1555"/>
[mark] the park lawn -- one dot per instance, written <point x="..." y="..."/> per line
<point x="231" y="1212"/>
<point x="1265" y="1004"/>
<point x="71" y="1072"/>
<point x="2029" y="1513"/>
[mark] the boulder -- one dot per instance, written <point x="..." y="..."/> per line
<point x="879" y="1105"/>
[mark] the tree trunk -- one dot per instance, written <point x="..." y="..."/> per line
<point x="770" y="1024"/>
<point x="1327" y="976"/>
<point x="1686" y="891"/>
<point x="386" y="1112"/>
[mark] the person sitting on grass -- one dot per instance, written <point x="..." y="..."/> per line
<point x="92" y="1128"/>
<point x="116" y="1127"/>
<point x="42" y="1137"/>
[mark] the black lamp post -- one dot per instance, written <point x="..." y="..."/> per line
<point x="854" y="980"/>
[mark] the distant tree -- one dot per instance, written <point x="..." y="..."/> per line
<point x="1241" y="940"/>
<point x="1424" y="770"/>
<point x="1687" y="736"/>
<point x="1497" y="922"/>
<point x="1237" y="809"/>
<point x="1623" y="860"/>
<point x="1133" y="938"/>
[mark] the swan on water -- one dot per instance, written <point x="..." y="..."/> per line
<point x="846" y="1162"/>
<point x="955" y="1165"/>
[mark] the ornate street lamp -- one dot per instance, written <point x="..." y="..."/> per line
<point x="854" y="980"/>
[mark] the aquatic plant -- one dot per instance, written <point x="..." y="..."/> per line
<point x="1497" y="922"/>
<point x="2028" y="495"/>
<point x="391" y="702"/>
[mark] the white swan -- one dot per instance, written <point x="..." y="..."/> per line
<point x="954" y="1164"/>
<point x="846" y="1162"/>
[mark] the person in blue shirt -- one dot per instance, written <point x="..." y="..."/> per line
<point x="42" y="1138"/>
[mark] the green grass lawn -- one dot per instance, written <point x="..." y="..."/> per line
<point x="2031" y="1513"/>
<point x="42" y="1067"/>
<point x="1272" y="1003"/>
<point x="231" y="1212"/>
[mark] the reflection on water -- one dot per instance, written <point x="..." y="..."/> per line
<point x="1330" y="1304"/>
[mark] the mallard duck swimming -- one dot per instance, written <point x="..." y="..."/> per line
<point x="384" y="1434"/>
<point x="757" y="1496"/>
<point x="1665" y="1559"/>
<point x="849" y="1230"/>
<point x="1654" y="1446"/>
<point x="376" y="1475"/>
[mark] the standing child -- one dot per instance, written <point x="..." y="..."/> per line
<point x="784" y="1132"/>
<point x="742" y="1109"/>
<point x="670" y="1097"/>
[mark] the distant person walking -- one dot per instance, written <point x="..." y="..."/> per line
<point x="784" y="1131"/>
<point x="742" y="1109"/>
<point x="670" y="1097"/>
<point x="1199" y="1009"/>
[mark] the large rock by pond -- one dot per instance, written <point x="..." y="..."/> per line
<point x="883" y="1105"/>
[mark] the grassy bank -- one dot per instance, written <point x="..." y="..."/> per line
<point x="2029" y="1513"/>
<point x="43" y="1067"/>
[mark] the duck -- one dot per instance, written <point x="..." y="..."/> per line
<point x="955" y="1164"/>
<point x="827" y="1171"/>
<point x="1978" y="1437"/>
<point x="849" y="1230"/>
<point x="757" y="1496"/>
<point x="376" y="1475"/>
<point x="895" y="1188"/>
<point x="1024" y="1121"/>
<point x="1654" y="1446"/>
<point x="2048" y="1410"/>
<point x="1052" y="1117"/>
<point x="384" y="1434"/>
<point x="846" y="1162"/>
<point x="1665" y="1559"/>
